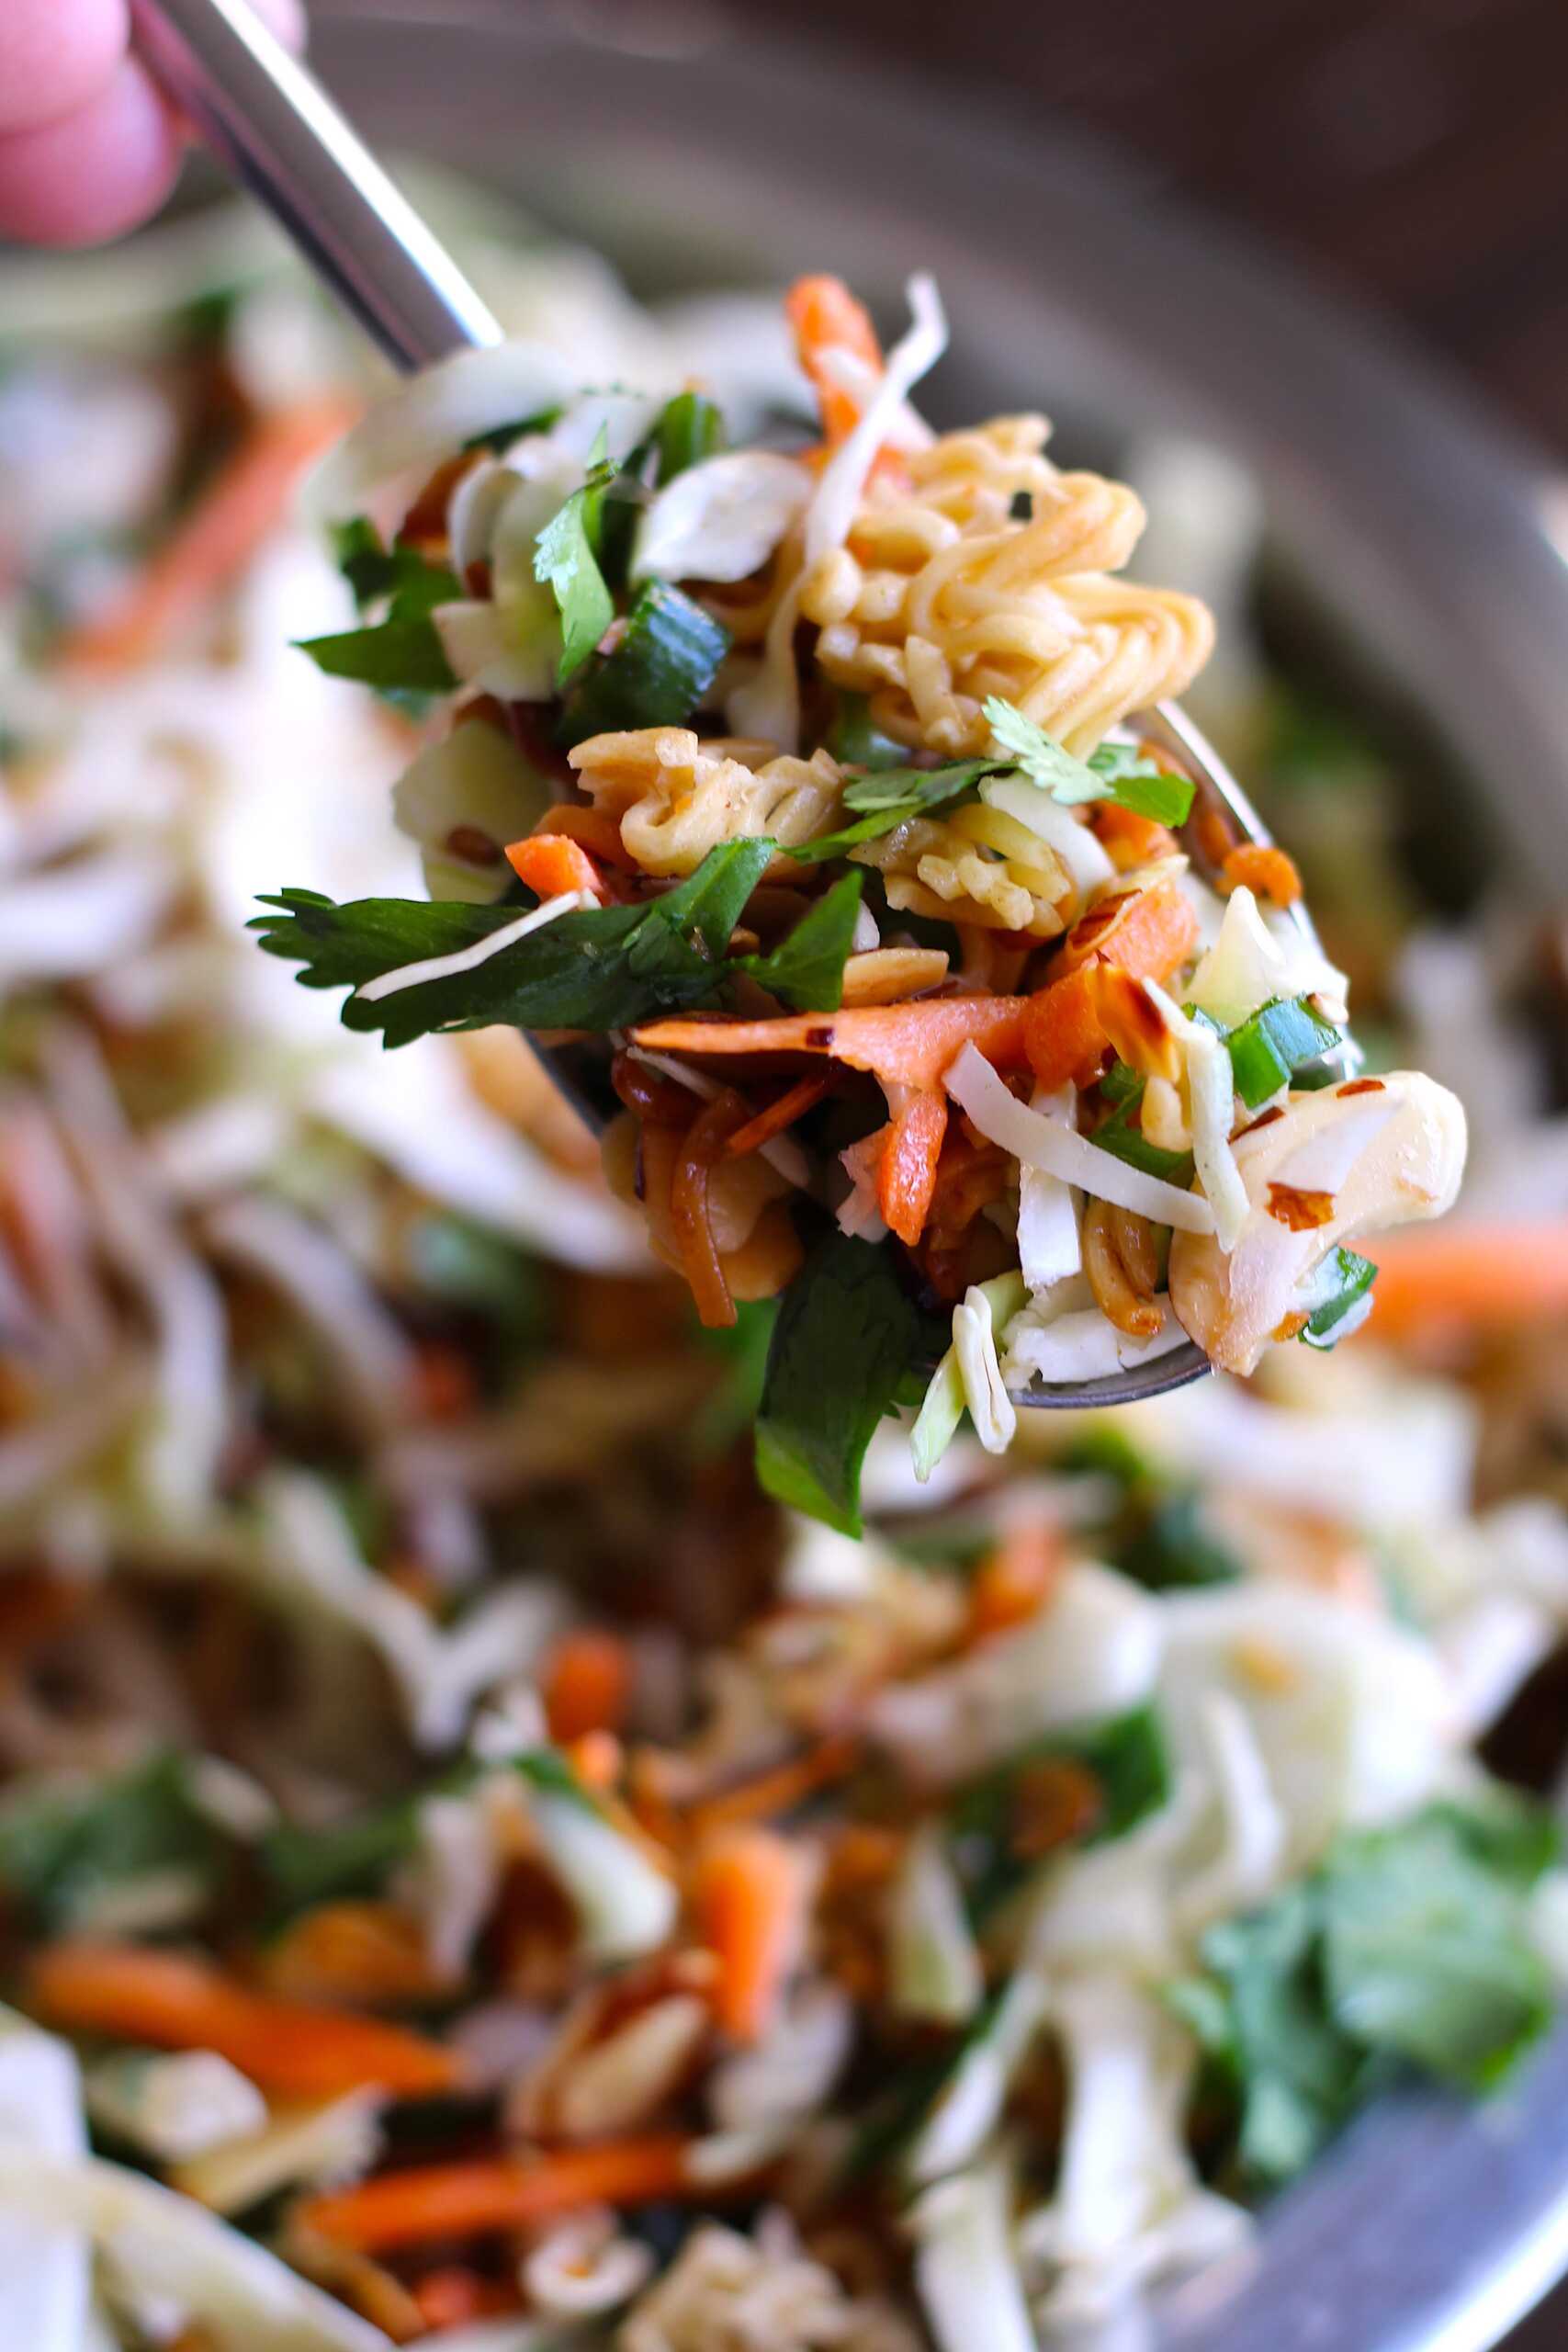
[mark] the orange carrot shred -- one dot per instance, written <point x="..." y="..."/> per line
<point x="1132" y="840"/>
<point x="135" y="1993"/>
<point x="596" y="1757"/>
<point x="749" y="1896"/>
<point x="551" y="864"/>
<point x="791" y="1105"/>
<point x="1064" y="1035"/>
<point x="454" y="2294"/>
<point x="1474" y="1276"/>
<point x="355" y="1949"/>
<point x="586" y="1684"/>
<point x="825" y="316"/>
<point x="1014" y="1582"/>
<point x="425" y="2203"/>
<point x="777" y="1792"/>
<point x="689" y="1207"/>
<point x="1148" y="932"/>
<point x="905" y="1044"/>
<point x="215" y="540"/>
<point x="906" y="1177"/>
<point x="594" y="829"/>
<point x="1259" y="866"/>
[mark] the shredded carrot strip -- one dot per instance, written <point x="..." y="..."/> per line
<point x="904" y="1044"/>
<point x="214" y="542"/>
<point x="1130" y="839"/>
<point x="454" y="2294"/>
<point x="791" y="1105"/>
<point x="905" y="1176"/>
<point x="777" y="1792"/>
<point x="1063" y="1037"/>
<point x="550" y="864"/>
<point x="750" y="1895"/>
<point x="596" y="1757"/>
<point x="595" y="828"/>
<point x="133" y="1992"/>
<point x="1148" y="932"/>
<point x="586" y="1684"/>
<point x="1259" y="866"/>
<point x="1015" y="1580"/>
<point x="427" y="2202"/>
<point x="825" y="316"/>
<point x="689" y="1208"/>
<point x="355" y="1951"/>
<point x="1476" y="1276"/>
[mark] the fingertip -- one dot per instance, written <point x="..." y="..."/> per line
<point x="57" y="56"/>
<point x="94" y="172"/>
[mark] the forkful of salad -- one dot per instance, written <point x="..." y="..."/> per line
<point x="820" y="808"/>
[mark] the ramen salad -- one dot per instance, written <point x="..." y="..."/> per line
<point x="938" y="1002"/>
<point x="474" y="1871"/>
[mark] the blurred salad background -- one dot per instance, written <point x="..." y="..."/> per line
<point x="392" y="1625"/>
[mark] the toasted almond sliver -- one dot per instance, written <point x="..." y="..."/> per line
<point x="887" y="975"/>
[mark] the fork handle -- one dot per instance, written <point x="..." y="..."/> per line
<point x="271" y="122"/>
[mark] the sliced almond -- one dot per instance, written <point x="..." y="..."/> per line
<point x="1396" y="1169"/>
<point x="888" y="974"/>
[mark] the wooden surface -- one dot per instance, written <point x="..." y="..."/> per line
<point x="1416" y="149"/>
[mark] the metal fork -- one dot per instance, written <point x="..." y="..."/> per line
<point x="270" y="121"/>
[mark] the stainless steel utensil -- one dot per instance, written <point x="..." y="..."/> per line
<point x="266" y="117"/>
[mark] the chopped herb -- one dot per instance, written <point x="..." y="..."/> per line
<point x="414" y="586"/>
<point x="890" y="797"/>
<point x="566" y="560"/>
<point x="1121" y="1083"/>
<point x="348" y="1859"/>
<point x="1103" y="1453"/>
<point x="847" y="1332"/>
<point x="1426" y="1948"/>
<point x="731" y="1407"/>
<point x="1410" y="1945"/>
<point x="1170" y="1550"/>
<point x="400" y="653"/>
<point x="1111" y="773"/>
<point x="808" y="968"/>
<point x="1279" y="2059"/>
<point x="1125" y="1766"/>
<point x="497" y="437"/>
<point x="1123" y="1137"/>
<point x="395" y="656"/>
<point x="605" y="968"/>
<point x="64" y="1848"/>
<point x="206" y="320"/>
<point x="690" y="428"/>
<point x="1341" y="1281"/>
<point x="1268" y="1048"/>
<point x="1021" y="506"/>
<point x="889" y="2130"/>
<point x="1140" y="784"/>
<point x="304" y="1866"/>
<point x="900" y="791"/>
<point x="855" y="742"/>
<point x="657" y="676"/>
